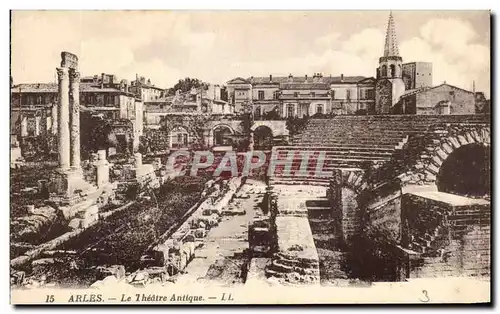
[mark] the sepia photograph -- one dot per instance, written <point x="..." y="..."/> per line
<point x="250" y="157"/>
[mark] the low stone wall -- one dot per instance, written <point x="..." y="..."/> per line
<point x="295" y="260"/>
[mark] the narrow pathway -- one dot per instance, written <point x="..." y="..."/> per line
<point x="225" y="249"/>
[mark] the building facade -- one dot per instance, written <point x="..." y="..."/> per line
<point x="303" y="95"/>
<point x="34" y="106"/>
<point x="196" y="101"/>
<point x="145" y="90"/>
<point x="417" y="75"/>
<point x="441" y="99"/>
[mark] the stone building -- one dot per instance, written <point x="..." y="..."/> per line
<point x="417" y="75"/>
<point x="145" y="90"/>
<point x="441" y="99"/>
<point x="34" y="106"/>
<point x="302" y="95"/>
<point x="197" y="100"/>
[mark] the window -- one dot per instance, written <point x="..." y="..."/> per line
<point x="296" y="94"/>
<point x="290" y="110"/>
<point x="276" y="95"/>
<point x="261" y="95"/>
<point x="319" y="109"/>
<point x="38" y="100"/>
<point x="313" y="94"/>
<point x="333" y="94"/>
<point x="393" y="70"/>
<point x="348" y="94"/>
<point x="256" y="113"/>
<point x="384" y="71"/>
<point x="370" y="94"/>
<point x="452" y="93"/>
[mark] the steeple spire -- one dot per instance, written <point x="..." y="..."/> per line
<point x="391" y="43"/>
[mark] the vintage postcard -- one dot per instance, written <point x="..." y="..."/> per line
<point x="250" y="157"/>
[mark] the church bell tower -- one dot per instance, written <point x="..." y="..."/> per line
<point x="390" y="85"/>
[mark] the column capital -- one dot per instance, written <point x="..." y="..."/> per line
<point x="62" y="73"/>
<point x="74" y="75"/>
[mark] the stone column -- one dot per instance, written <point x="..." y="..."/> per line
<point x="37" y="126"/>
<point x="102" y="166"/>
<point x="54" y="119"/>
<point x="74" y="85"/>
<point x="24" y="126"/>
<point x="63" y="137"/>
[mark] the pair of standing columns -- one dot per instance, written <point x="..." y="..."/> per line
<point x="68" y="114"/>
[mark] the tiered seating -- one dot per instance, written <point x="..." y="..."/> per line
<point x="358" y="141"/>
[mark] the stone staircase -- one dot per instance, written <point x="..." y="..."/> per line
<point x="356" y="142"/>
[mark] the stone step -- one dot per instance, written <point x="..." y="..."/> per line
<point x="345" y="140"/>
<point x="350" y="147"/>
<point x="282" y="153"/>
<point x="294" y="182"/>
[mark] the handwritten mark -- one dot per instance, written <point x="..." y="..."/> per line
<point x="427" y="299"/>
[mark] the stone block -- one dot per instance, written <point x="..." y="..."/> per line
<point x="454" y="142"/>
<point x="462" y="140"/>
<point x="447" y="148"/>
<point x="442" y="154"/>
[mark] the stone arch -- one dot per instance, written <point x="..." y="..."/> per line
<point x="447" y="146"/>
<point x="466" y="171"/>
<point x="178" y="137"/>
<point x="263" y="136"/>
<point x="218" y="137"/>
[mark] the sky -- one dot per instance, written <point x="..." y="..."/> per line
<point x="216" y="46"/>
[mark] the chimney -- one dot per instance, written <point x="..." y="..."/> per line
<point x="305" y="78"/>
<point x="342" y="78"/>
<point x="102" y="80"/>
<point x="251" y="79"/>
<point x="270" y="77"/>
<point x="290" y="78"/>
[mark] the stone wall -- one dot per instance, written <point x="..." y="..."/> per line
<point x="295" y="259"/>
<point x="451" y="240"/>
<point x="462" y="101"/>
<point x="383" y="96"/>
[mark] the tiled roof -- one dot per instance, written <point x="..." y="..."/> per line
<point x="300" y="79"/>
<point x="305" y="86"/>
<point x="35" y="88"/>
<point x="424" y="89"/>
<point x="53" y="88"/>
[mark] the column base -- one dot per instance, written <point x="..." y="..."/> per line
<point x="68" y="186"/>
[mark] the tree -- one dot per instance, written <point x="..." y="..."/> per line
<point x="96" y="133"/>
<point x="185" y="85"/>
<point x="271" y="115"/>
<point x="295" y="125"/>
<point x="247" y="121"/>
<point x="223" y="93"/>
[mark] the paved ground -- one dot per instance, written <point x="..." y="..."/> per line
<point x="224" y="251"/>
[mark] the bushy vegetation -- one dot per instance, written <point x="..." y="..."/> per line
<point x="124" y="237"/>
